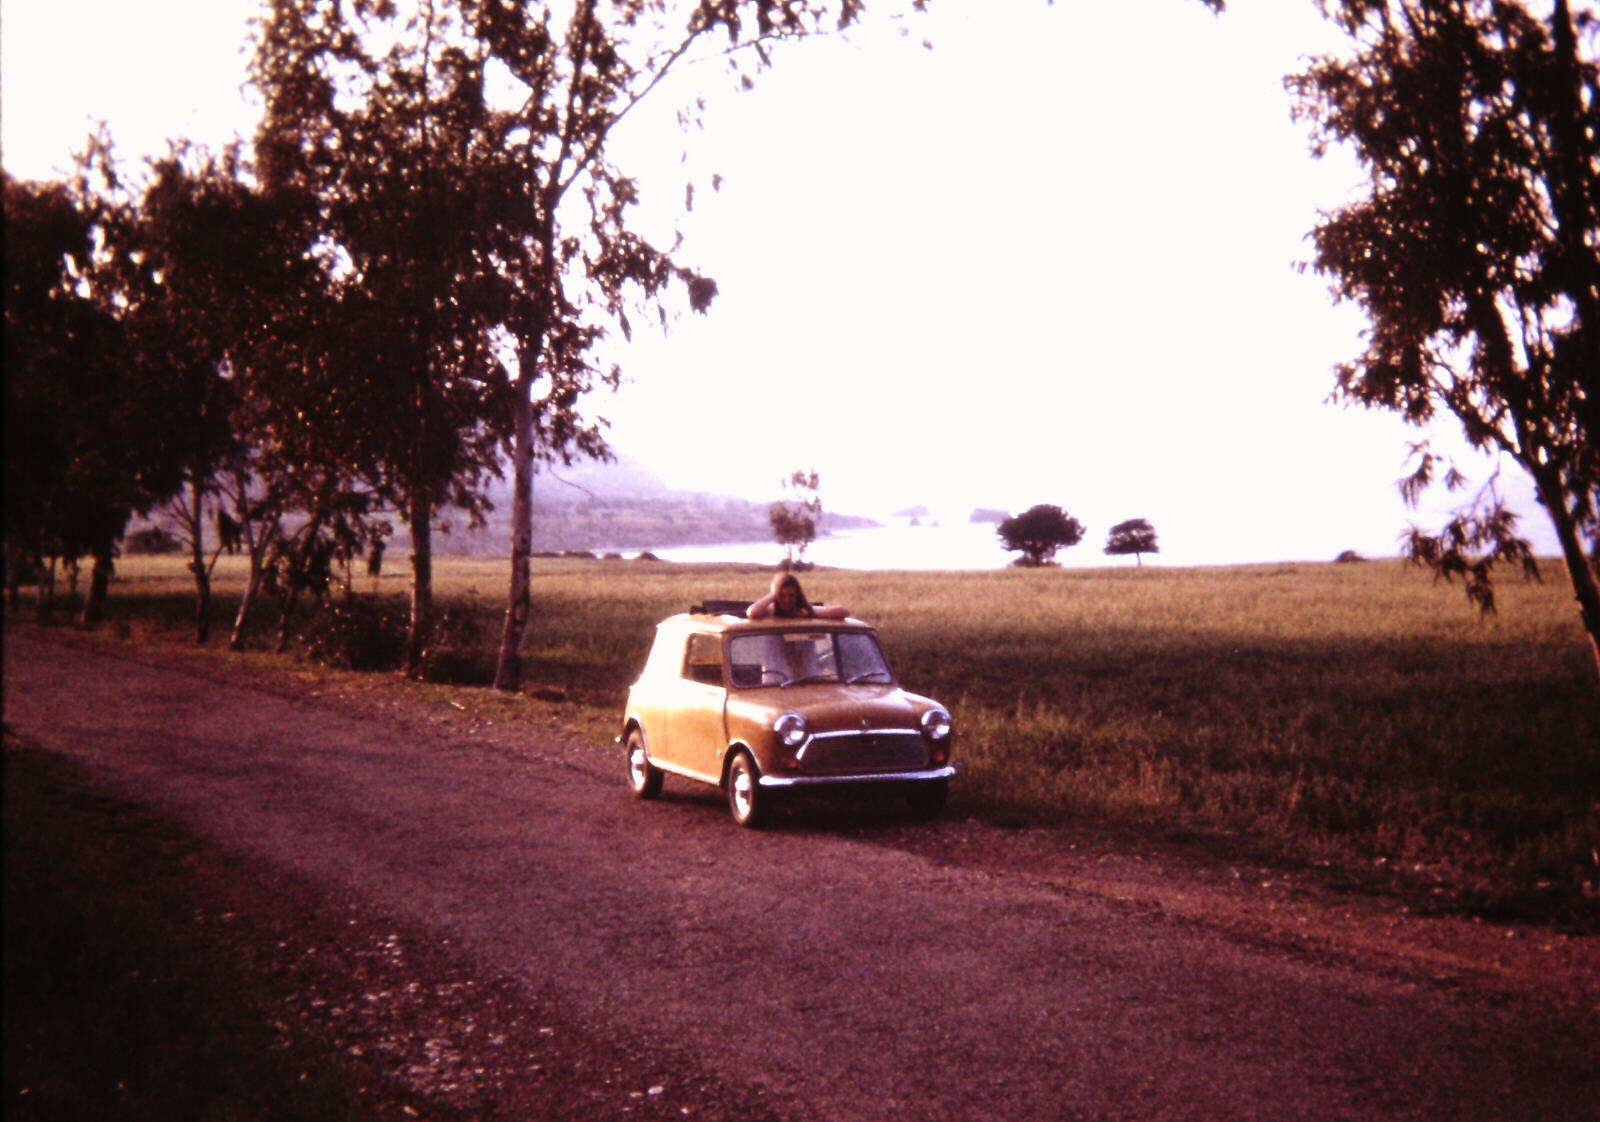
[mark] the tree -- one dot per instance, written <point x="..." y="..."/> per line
<point x="184" y="255"/>
<point x="381" y="113"/>
<point x="794" y="517"/>
<point x="458" y="151"/>
<point x="1038" y="532"/>
<point x="229" y="319"/>
<point x="1475" y="257"/>
<point x="48" y="238"/>
<point x="85" y="439"/>
<point x="1135" y="536"/>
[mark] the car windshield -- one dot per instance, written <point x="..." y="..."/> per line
<point x="787" y="658"/>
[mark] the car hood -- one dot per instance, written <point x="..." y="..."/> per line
<point x="830" y="707"/>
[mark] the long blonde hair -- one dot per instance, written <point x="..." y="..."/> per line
<point x="803" y="607"/>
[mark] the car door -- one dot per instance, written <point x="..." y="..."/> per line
<point x="696" y="729"/>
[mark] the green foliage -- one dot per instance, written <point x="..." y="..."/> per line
<point x="421" y="193"/>
<point x="47" y="236"/>
<point x="357" y="634"/>
<point x="1038" y="533"/>
<point x="1135" y="536"/>
<point x="794" y="517"/>
<point x="411" y="188"/>
<point x="458" y="650"/>
<point x="83" y="430"/>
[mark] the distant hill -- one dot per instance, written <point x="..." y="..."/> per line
<point x="617" y="507"/>
<point x="599" y="508"/>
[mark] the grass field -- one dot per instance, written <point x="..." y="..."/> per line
<point x="1358" y="714"/>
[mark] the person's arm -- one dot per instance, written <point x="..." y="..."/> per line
<point x="830" y="611"/>
<point x="762" y="608"/>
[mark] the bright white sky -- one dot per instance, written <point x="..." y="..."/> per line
<point x="1051" y="260"/>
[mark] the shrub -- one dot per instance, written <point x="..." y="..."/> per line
<point x="364" y="634"/>
<point x="354" y="633"/>
<point x="456" y="652"/>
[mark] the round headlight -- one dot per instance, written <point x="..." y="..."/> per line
<point x="936" y="724"/>
<point x="791" y="730"/>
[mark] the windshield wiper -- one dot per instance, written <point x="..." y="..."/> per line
<point x="810" y="678"/>
<point x="883" y="674"/>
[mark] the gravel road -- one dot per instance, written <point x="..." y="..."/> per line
<point x="846" y="966"/>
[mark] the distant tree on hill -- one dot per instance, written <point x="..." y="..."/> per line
<point x="1038" y="532"/>
<point x="1135" y="536"/>
<point x="795" y="517"/>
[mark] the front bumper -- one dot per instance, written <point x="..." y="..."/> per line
<point x="928" y="775"/>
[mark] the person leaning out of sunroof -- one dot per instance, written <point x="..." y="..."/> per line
<point x="787" y="601"/>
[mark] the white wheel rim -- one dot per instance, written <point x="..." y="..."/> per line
<point x="742" y="786"/>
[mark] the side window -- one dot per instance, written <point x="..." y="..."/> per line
<point x="703" y="659"/>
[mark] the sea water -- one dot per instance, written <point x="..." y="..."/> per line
<point x="938" y="546"/>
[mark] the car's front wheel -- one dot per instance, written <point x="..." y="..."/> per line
<point x="745" y="799"/>
<point x="644" y="778"/>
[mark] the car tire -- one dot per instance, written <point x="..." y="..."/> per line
<point x="644" y="778"/>
<point x="928" y="799"/>
<point x="746" y="801"/>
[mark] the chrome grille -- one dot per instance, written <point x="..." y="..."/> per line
<point x="864" y="752"/>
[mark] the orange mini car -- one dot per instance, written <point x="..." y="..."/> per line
<point x="763" y="707"/>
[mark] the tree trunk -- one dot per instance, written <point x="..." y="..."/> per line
<point x="94" y="604"/>
<point x="72" y="584"/>
<point x="1577" y="179"/>
<point x="1580" y="571"/>
<point x="46" y="600"/>
<point x="421" y="586"/>
<point x="259" y="533"/>
<point x="13" y="578"/>
<point x="519" y="598"/>
<point x="258" y="551"/>
<point x="252" y="585"/>
<point x="197" y="566"/>
<point x="1587" y="592"/>
<point x="14" y="565"/>
<point x="289" y="600"/>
